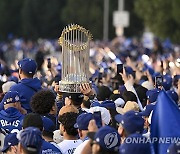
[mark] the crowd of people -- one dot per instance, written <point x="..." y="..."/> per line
<point x="114" y="113"/>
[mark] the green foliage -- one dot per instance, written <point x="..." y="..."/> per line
<point x="161" y="16"/>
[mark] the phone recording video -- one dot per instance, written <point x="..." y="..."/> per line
<point x="97" y="118"/>
<point x="119" y="68"/>
<point x="158" y="81"/>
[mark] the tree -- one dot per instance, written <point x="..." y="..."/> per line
<point x="161" y="16"/>
<point x="10" y="18"/>
<point x="41" y="18"/>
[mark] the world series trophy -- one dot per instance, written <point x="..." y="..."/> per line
<point x="75" y="42"/>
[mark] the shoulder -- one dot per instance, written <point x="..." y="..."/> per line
<point x="80" y="147"/>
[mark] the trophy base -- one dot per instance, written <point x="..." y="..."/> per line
<point x="70" y="87"/>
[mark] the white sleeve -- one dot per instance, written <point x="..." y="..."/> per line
<point x="130" y="87"/>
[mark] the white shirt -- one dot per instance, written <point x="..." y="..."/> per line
<point x="80" y="147"/>
<point x="69" y="146"/>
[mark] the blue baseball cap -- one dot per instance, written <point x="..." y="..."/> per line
<point x="48" y="125"/>
<point x="31" y="139"/>
<point x="28" y="65"/>
<point x="131" y="121"/>
<point x="174" y="148"/>
<point x="11" y="97"/>
<point x="147" y="110"/>
<point x="107" y="137"/>
<point x="167" y="81"/>
<point x="10" y="140"/>
<point x="82" y="121"/>
<point x="129" y="70"/>
<point x="173" y="95"/>
<point x="108" y="104"/>
<point x="133" y="147"/>
<point x="152" y="95"/>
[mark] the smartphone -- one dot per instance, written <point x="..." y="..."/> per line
<point x="158" y="81"/>
<point x="100" y="76"/>
<point x="97" y="118"/>
<point x="49" y="63"/>
<point x="119" y="68"/>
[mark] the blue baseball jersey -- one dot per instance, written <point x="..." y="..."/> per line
<point x="10" y="119"/>
<point x="48" y="148"/>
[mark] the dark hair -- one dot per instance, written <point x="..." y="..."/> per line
<point x="27" y="74"/>
<point x="129" y="96"/>
<point x="86" y="103"/>
<point x="47" y="134"/>
<point x="103" y="93"/>
<point x="68" y="120"/>
<point x="141" y="92"/>
<point x="42" y="101"/>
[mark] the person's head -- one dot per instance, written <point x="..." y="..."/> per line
<point x="82" y="123"/>
<point x="10" y="144"/>
<point x="68" y="108"/>
<point x="33" y="120"/>
<point x="30" y="141"/>
<point x="105" y="141"/>
<point x="43" y="102"/>
<point x="11" y="99"/>
<point x="104" y="93"/>
<point x="129" y="123"/>
<point x="27" y="68"/>
<point x="75" y="99"/>
<point x="129" y="96"/>
<point x="48" y="128"/>
<point x="86" y="103"/>
<point x="152" y="95"/>
<point x="67" y="121"/>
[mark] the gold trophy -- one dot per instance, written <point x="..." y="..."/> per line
<point x="75" y="42"/>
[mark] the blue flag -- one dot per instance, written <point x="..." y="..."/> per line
<point x="165" y="124"/>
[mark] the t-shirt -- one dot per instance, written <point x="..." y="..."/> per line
<point x="79" y="149"/>
<point x="69" y="146"/>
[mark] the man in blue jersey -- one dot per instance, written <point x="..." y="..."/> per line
<point x="35" y="120"/>
<point x="28" y="85"/>
<point x="11" y="116"/>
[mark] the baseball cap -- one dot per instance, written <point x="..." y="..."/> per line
<point x="147" y="110"/>
<point x="77" y="97"/>
<point x="134" y="147"/>
<point x="131" y="121"/>
<point x="31" y="139"/>
<point x="107" y="137"/>
<point x="152" y="95"/>
<point x="82" y="121"/>
<point x="174" y="148"/>
<point x="11" y="97"/>
<point x="48" y="125"/>
<point x="68" y="108"/>
<point x="108" y="104"/>
<point x="128" y="70"/>
<point x="28" y="65"/>
<point x="173" y="95"/>
<point x="6" y="86"/>
<point x="10" y="140"/>
<point x="33" y="120"/>
<point x="130" y="105"/>
<point x="119" y="102"/>
<point x="167" y="81"/>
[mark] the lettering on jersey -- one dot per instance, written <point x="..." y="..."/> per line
<point x="49" y="151"/>
<point x="71" y="151"/>
<point x="7" y="123"/>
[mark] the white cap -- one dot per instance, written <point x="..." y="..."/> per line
<point x="6" y="86"/>
<point x="105" y="115"/>
<point x="148" y="85"/>
<point x="119" y="102"/>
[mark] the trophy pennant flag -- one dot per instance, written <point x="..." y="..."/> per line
<point x="75" y="42"/>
